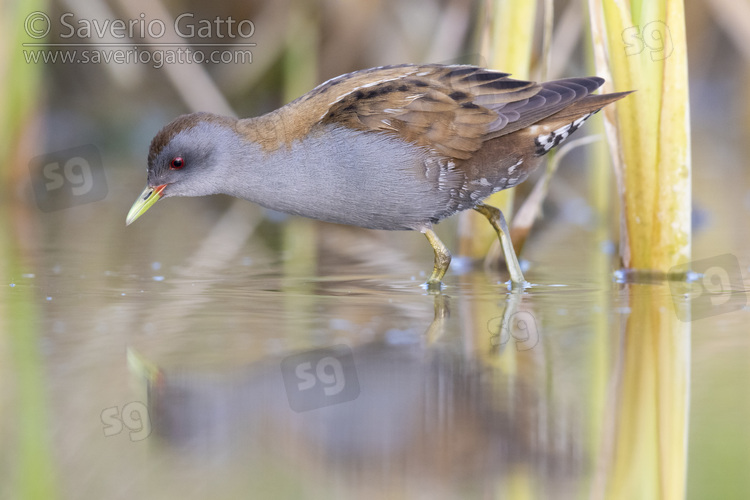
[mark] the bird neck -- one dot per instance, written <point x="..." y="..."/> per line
<point x="266" y="160"/>
<point x="278" y="129"/>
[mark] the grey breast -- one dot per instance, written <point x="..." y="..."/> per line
<point x="366" y="179"/>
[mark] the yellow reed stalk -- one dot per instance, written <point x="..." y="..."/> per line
<point x="300" y="75"/>
<point x="506" y="42"/>
<point x="600" y="193"/>
<point x="644" y="454"/>
<point x="35" y="471"/>
<point x="641" y="46"/>
<point x="19" y="87"/>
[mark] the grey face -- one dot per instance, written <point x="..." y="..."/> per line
<point x="190" y="163"/>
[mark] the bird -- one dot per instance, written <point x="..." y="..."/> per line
<point x="398" y="147"/>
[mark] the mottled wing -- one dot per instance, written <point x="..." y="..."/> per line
<point x="450" y="109"/>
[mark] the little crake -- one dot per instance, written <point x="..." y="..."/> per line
<point x="396" y="148"/>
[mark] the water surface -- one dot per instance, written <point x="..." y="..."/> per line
<point x="207" y="351"/>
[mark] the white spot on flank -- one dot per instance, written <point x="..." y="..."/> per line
<point x="513" y="167"/>
<point x="442" y="177"/>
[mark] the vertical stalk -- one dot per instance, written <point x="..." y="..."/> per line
<point x="645" y="450"/>
<point x="600" y="194"/>
<point x="642" y="46"/>
<point x="34" y="474"/>
<point x="506" y="42"/>
<point x="300" y="75"/>
<point x="19" y="90"/>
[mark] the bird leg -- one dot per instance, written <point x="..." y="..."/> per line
<point x="442" y="259"/>
<point x="495" y="216"/>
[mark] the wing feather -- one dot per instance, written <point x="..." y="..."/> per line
<point x="452" y="110"/>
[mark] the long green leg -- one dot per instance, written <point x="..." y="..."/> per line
<point x="495" y="216"/>
<point x="442" y="259"/>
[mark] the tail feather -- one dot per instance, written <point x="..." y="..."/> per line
<point x="554" y="129"/>
<point x="588" y="105"/>
<point x="551" y="98"/>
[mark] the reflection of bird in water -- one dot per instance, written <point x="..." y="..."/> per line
<point x="421" y="413"/>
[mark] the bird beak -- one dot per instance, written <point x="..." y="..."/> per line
<point x="148" y="197"/>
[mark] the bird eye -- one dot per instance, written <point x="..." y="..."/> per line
<point x="177" y="163"/>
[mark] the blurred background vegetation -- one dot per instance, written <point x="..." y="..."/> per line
<point x="119" y="107"/>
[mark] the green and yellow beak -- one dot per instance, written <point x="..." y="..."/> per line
<point x="148" y="197"/>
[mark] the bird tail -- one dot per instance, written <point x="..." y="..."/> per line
<point x="559" y="126"/>
<point x="586" y="106"/>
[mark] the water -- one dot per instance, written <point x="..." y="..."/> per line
<point x="191" y="355"/>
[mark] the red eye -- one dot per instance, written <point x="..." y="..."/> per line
<point x="177" y="163"/>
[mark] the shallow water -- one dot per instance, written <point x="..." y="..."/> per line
<point x="192" y="355"/>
